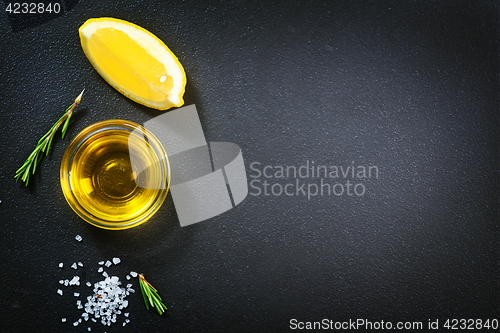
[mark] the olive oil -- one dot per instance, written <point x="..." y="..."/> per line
<point x="115" y="175"/>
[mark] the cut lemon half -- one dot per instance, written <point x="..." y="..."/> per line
<point x="134" y="61"/>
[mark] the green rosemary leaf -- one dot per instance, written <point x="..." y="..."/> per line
<point x="150" y="294"/>
<point x="47" y="146"/>
<point x="156" y="294"/>
<point x="65" y="126"/>
<point x="26" y="175"/>
<point x="144" y="294"/>
<point x="44" y="144"/>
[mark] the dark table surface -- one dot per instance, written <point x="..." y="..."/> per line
<point x="409" y="87"/>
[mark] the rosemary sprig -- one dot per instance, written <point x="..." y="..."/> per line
<point x="149" y="293"/>
<point x="44" y="143"/>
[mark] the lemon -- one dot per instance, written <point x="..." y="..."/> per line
<point x="134" y="61"/>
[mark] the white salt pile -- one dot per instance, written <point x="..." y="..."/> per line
<point x="108" y="300"/>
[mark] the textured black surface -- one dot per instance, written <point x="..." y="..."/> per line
<point x="408" y="86"/>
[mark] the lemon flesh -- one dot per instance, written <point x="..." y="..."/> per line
<point x="134" y="61"/>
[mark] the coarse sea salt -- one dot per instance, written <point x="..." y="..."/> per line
<point x="61" y="265"/>
<point x="133" y="274"/>
<point x="75" y="281"/>
<point x="78" y="238"/>
<point x="108" y="301"/>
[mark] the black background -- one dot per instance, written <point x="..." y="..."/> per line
<point x="408" y="86"/>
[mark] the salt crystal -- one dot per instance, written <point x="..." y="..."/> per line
<point x="100" y="269"/>
<point x="61" y="281"/>
<point x="76" y="294"/>
<point x="94" y="320"/>
<point x="131" y="290"/>
<point x="74" y="266"/>
<point x="78" y="238"/>
<point x="124" y="323"/>
<point x="61" y="265"/>
<point x="105" y="274"/>
<point x="129" y="285"/>
<point x="127" y="320"/>
<point x="89" y="329"/>
<point x="80" y="320"/>
<point x="126" y="314"/>
<point x="89" y="284"/>
<point x="75" y="281"/>
<point x="80" y="264"/>
<point x="101" y="262"/>
<point x="134" y="274"/>
<point x="59" y="291"/>
<point x="108" y="263"/>
<point x="75" y="323"/>
<point x="66" y="283"/>
<point x="127" y="277"/>
<point x="116" y="261"/>
<point x="63" y="320"/>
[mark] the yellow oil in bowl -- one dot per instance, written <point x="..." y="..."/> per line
<point x="115" y="174"/>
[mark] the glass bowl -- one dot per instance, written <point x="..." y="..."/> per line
<point x="115" y="174"/>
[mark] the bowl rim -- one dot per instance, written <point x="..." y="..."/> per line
<point x="72" y="149"/>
